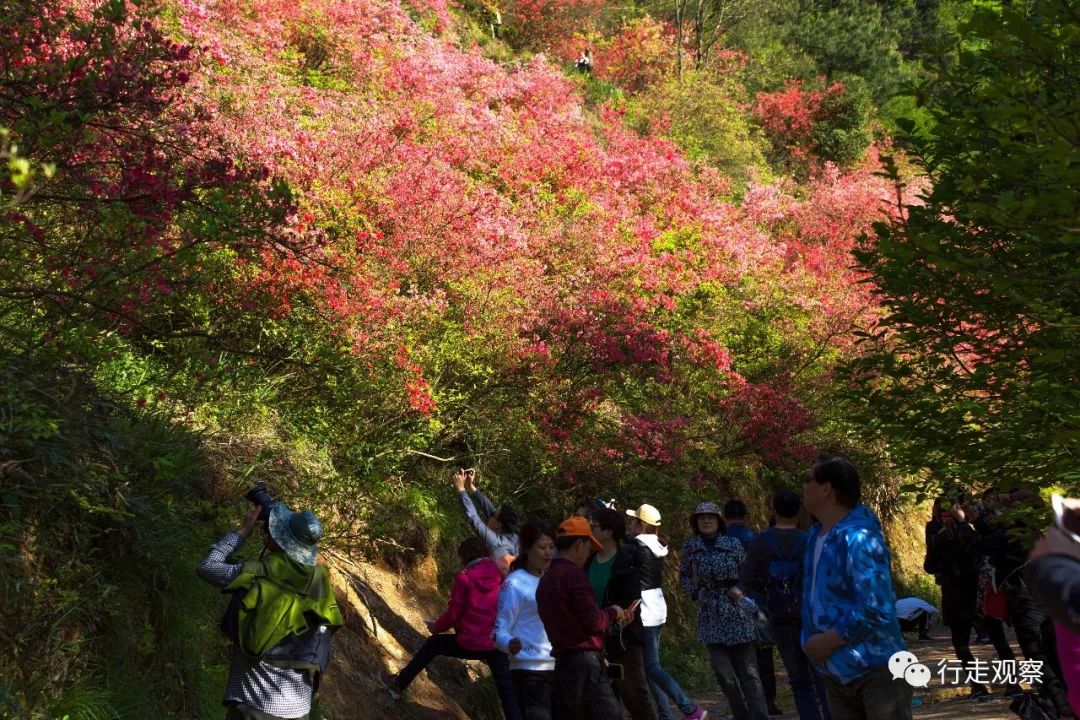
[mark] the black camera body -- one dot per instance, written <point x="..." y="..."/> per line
<point x="259" y="496"/>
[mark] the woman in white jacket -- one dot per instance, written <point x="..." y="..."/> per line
<point x="519" y="632"/>
<point x="651" y="551"/>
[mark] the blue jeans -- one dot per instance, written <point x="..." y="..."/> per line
<point x="662" y="684"/>
<point x="807" y="687"/>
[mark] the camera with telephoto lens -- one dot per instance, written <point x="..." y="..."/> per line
<point x="259" y="496"/>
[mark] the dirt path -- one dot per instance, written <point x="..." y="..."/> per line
<point x="938" y="702"/>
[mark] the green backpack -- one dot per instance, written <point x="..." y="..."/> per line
<point x="278" y="599"/>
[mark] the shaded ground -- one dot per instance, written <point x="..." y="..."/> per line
<point x="938" y="702"/>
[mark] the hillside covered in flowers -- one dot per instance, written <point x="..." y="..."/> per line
<point x="347" y="247"/>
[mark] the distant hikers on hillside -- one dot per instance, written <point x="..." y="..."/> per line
<point x="584" y="63"/>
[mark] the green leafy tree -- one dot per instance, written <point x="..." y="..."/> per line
<point x="854" y="37"/>
<point x="976" y="360"/>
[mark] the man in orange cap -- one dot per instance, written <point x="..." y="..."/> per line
<point x="575" y="626"/>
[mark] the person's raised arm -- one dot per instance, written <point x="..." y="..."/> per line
<point x="214" y="568"/>
<point x="489" y="536"/>
<point x="485" y="505"/>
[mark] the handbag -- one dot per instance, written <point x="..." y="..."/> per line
<point x="994" y="603"/>
<point x="763" y="629"/>
<point x="1031" y="706"/>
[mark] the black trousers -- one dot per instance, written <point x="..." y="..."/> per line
<point x="447" y="644"/>
<point x="532" y="688"/>
<point x="582" y="688"/>
<point x="874" y="696"/>
<point x="633" y="690"/>
<point x="766" y="665"/>
<point x="244" y="712"/>
<point x="1038" y="641"/>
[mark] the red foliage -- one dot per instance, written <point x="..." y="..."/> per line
<point x="788" y="115"/>
<point x="412" y="186"/>
<point x="546" y="24"/>
<point x="639" y="55"/>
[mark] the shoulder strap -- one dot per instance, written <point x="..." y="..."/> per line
<point x="770" y="538"/>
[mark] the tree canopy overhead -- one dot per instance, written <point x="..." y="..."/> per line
<point x="976" y="369"/>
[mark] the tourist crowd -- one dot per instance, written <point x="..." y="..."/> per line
<point x="570" y="618"/>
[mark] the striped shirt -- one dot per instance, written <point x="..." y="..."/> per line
<point x="282" y="692"/>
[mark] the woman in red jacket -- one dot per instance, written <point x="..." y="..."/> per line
<point x="471" y="613"/>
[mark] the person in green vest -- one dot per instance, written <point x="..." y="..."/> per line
<point x="280" y="619"/>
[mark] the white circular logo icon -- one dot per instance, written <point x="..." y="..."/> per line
<point x="900" y="662"/>
<point x="917" y="675"/>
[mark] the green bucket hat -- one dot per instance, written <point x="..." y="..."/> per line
<point x="296" y="532"/>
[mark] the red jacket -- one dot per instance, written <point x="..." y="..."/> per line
<point x="473" y="603"/>
<point x="568" y="609"/>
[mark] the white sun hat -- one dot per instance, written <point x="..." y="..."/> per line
<point x="646" y="514"/>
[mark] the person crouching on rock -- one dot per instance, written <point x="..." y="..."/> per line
<point x="471" y="612"/>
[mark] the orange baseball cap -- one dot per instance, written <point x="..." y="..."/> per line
<point x="578" y="527"/>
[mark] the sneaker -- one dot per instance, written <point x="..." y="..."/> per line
<point x="389" y="682"/>
<point x="775" y="711"/>
<point x="1013" y="691"/>
<point x="979" y="696"/>
<point x="698" y="714"/>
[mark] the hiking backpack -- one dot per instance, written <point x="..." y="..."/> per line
<point x="783" y="589"/>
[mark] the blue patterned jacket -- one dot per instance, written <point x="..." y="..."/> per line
<point x="706" y="573"/>
<point x="853" y="593"/>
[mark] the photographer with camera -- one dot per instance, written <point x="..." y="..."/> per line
<point x="281" y="640"/>
<point x="614" y="573"/>
<point x="955" y="554"/>
<point x="498" y="528"/>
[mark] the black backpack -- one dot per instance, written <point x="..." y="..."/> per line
<point x="783" y="589"/>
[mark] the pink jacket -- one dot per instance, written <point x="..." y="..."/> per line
<point x="473" y="603"/>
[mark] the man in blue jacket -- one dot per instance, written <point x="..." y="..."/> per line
<point x="849" y="627"/>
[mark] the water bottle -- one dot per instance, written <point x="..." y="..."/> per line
<point x="748" y="605"/>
